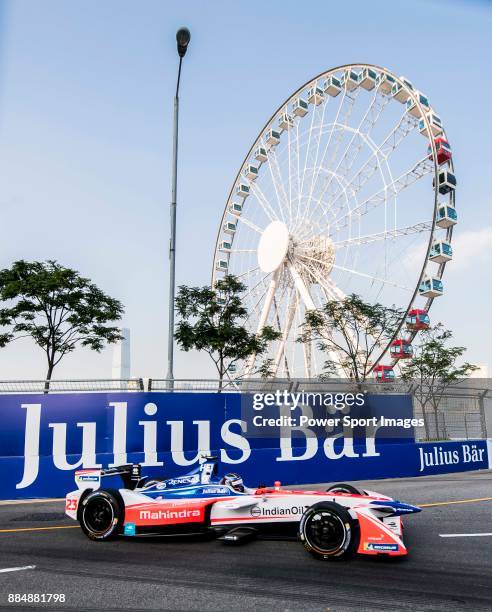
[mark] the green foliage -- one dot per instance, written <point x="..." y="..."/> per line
<point x="433" y="368"/>
<point x="352" y="330"/>
<point x="212" y="320"/>
<point x="57" y="308"/>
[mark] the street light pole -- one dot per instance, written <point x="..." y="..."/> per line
<point x="182" y="39"/>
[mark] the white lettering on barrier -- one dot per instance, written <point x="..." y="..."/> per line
<point x="235" y="440"/>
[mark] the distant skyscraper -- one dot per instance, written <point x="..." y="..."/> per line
<point x="121" y="357"/>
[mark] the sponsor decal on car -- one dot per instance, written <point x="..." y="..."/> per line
<point x="381" y="547"/>
<point x="216" y="490"/>
<point x="87" y="477"/>
<point x="166" y="515"/>
<point x="130" y="529"/>
<point x="182" y="480"/>
<point x="276" y="511"/>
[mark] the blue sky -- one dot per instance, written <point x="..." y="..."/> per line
<point x="86" y="93"/>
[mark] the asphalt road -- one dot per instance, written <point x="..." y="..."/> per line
<point x="163" y="574"/>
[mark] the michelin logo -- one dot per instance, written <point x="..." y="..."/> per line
<point x="381" y="547"/>
<point x="88" y="478"/>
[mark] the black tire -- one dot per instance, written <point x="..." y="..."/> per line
<point x="101" y="515"/>
<point x="328" y="531"/>
<point x="343" y="487"/>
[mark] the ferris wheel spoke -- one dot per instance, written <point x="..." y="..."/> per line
<point x="291" y="309"/>
<point x="248" y="272"/>
<point x="372" y="277"/>
<point x="381" y="153"/>
<point x="359" y="136"/>
<point x="277" y="182"/>
<point x="263" y="201"/>
<point x="249" y="224"/>
<point x="419" y="170"/>
<point x="233" y="250"/>
<point x="341" y="122"/>
<point x="418" y="228"/>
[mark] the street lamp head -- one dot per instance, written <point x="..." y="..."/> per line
<point x="182" y="38"/>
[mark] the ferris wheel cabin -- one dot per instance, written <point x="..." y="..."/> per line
<point x="285" y="121"/>
<point x="332" y="86"/>
<point x="368" y="79"/>
<point x="350" y="80"/>
<point x="251" y="172"/>
<point x="385" y="83"/>
<point x="315" y="95"/>
<point x="401" y="349"/>
<point x="399" y="92"/>
<point x="441" y="252"/>
<point x="222" y="265"/>
<point x="300" y="107"/>
<point x="413" y="108"/>
<point x="225" y="246"/>
<point x="235" y="209"/>
<point x="272" y="138"/>
<point x="431" y="287"/>
<point x="384" y="373"/>
<point x="435" y="125"/>
<point x="242" y="190"/>
<point x="447" y="181"/>
<point x="443" y="150"/>
<point x="229" y="227"/>
<point x="417" y="319"/>
<point x="446" y="216"/>
<point x="261" y="154"/>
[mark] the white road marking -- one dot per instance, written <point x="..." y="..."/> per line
<point x="16" y="569"/>
<point x="463" y="535"/>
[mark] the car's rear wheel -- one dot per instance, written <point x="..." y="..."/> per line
<point x="328" y="531"/>
<point x="101" y="516"/>
<point x="343" y="487"/>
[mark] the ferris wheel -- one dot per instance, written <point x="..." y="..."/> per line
<point x="348" y="188"/>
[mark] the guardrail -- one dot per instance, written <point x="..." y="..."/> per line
<point x="71" y="386"/>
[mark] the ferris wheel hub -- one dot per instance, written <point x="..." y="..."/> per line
<point x="273" y="246"/>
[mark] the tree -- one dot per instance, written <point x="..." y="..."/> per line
<point x="433" y="369"/>
<point x="351" y="331"/>
<point x="57" y="308"/>
<point x="212" y="320"/>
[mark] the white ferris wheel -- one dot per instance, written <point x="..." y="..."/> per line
<point x="348" y="188"/>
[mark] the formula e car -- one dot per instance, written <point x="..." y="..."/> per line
<point x="332" y="524"/>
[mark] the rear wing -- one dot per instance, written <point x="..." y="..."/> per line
<point x="129" y="474"/>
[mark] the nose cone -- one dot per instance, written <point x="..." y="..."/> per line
<point x="397" y="508"/>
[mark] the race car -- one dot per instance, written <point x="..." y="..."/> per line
<point x="332" y="524"/>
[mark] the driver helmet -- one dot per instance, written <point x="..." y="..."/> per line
<point x="234" y="481"/>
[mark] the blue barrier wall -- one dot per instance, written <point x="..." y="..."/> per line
<point x="44" y="438"/>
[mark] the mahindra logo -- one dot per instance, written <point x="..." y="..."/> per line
<point x="148" y="515"/>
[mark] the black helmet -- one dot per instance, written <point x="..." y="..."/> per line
<point x="234" y="481"/>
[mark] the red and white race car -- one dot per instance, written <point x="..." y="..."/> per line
<point x="332" y="524"/>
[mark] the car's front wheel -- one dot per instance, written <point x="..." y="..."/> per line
<point x="343" y="487"/>
<point x="328" y="531"/>
<point x="101" y="515"/>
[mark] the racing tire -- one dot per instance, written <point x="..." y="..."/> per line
<point x="343" y="487"/>
<point x="101" y="515"/>
<point x="328" y="531"/>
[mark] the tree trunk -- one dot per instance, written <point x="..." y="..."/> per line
<point x="221" y="374"/>
<point x="51" y="367"/>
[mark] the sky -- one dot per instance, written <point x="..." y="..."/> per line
<point x="86" y="99"/>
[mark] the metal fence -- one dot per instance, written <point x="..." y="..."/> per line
<point x="70" y="386"/>
<point x="464" y="412"/>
